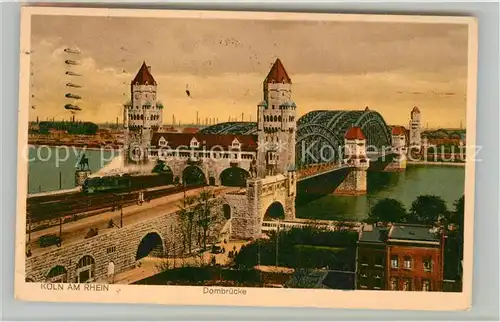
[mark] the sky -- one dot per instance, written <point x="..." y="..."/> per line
<point x="389" y="67"/>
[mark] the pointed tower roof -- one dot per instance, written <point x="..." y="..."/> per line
<point x="398" y="130"/>
<point x="415" y="109"/>
<point x="144" y="76"/>
<point x="278" y="74"/>
<point x="354" y="133"/>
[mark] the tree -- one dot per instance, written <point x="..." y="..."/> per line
<point x="388" y="210"/>
<point x="458" y="220"/>
<point x="205" y="218"/>
<point x="427" y="210"/>
<point x="187" y="214"/>
<point x="301" y="278"/>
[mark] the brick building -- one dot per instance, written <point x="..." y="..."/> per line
<point x="400" y="257"/>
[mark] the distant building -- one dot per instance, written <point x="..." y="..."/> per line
<point x="190" y="130"/>
<point x="400" y="257"/>
<point x="415" y="129"/>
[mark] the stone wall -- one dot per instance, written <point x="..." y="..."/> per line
<point x="242" y="222"/>
<point x="118" y="245"/>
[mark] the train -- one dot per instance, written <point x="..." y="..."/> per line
<point x="125" y="182"/>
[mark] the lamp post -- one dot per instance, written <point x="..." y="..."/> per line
<point x="277" y="242"/>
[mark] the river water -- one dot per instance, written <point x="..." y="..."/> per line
<point x="48" y="163"/>
<point x="444" y="181"/>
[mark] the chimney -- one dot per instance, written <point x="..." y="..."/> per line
<point x="149" y="69"/>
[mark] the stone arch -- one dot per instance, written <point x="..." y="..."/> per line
<point x="150" y="245"/>
<point x="226" y="210"/>
<point x="276" y="210"/>
<point x="57" y="274"/>
<point x="193" y="175"/>
<point x="234" y="177"/>
<point x="85" y="269"/>
<point x="211" y="181"/>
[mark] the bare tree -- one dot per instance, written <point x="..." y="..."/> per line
<point x="206" y="218"/>
<point x="187" y="214"/>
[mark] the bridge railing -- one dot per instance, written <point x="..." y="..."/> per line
<point x="268" y="225"/>
<point x="316" y="169"/>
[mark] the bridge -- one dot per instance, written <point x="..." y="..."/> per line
<point x="330" y="225"/>
<point x="256" y="189"/>
<point x="320" y="141"/>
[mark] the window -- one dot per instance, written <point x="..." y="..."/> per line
<point x="85" y="269"/>
<point x="427" y="265"/>
<point x="57" y="274"/>
<point x="394" y="262"/>
<point x="194" y="143"/>
<point x="426" y="285"/>
<point x="379" y="260"/>
<point x="236" y="144"/>
<point x="407" y="262"/>
<point x="377" y="282"/>
<point x="111" y="249"/>
<point x="407" y="284"/>
<point x="394" y="284"/>
<point x="363" y="260"/>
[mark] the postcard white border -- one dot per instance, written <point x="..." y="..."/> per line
<point x="193" y="295"/>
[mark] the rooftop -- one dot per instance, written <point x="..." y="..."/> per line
<point x="413" y="232"/>
<point x="374" y="235"/>
<point x="354" y="133"/>
<point x="278" y="74"/>
<point x="208" y="141"/>
<point x="398" y="130"/>
<point x="144" y="76"/>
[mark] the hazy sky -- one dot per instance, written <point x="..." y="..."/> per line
<point x="389" y="67"/>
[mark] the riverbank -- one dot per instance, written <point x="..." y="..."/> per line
<point x="452" y="164"/>
<point x="83" y="146"/>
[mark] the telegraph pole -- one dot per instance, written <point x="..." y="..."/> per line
<point x="121" y="214"/>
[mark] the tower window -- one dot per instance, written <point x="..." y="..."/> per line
<point x="279" y="118"/>
<point x="283" y="93"/>
<point x="273" y="106"/>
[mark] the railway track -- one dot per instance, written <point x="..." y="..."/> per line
<point x="77" y="203"/>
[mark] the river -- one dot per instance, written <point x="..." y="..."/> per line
<point x="48" y="163"/>
<point x="444" y="181"/>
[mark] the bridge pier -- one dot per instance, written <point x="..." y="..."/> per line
<point x="397" y="165"/>
<point x="354" y="184"/>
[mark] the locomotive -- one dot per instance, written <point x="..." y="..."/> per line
<point x="125" y="182"/>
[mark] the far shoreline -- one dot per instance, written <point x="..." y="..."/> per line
<point x="451" y="164"/>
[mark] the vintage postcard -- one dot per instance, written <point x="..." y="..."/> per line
<point x="244" y="158"/>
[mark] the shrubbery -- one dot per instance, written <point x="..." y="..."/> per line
<point x="302" y="248"/>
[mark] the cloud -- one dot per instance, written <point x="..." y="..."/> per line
<point x="333" y="66"/>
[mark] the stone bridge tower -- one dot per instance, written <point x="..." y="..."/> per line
<point x="276" y="124"/>
<point x="271" y="192"/>
<point x="415" y="141"/>
<point x="143" y="115"/>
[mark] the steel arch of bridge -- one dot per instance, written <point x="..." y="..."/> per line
<point x="321" y="133"/>
<point x="243" y="128"/>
